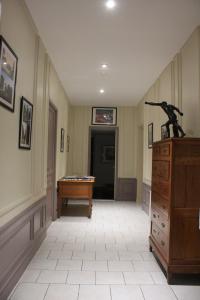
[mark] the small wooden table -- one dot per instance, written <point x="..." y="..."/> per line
<point x="75" y="189"/>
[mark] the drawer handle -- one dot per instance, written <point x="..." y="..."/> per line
<point x="154" y="215"/>
<point x="154" y="231"/>
<point x="162" y="243"/>
<point x="163" y="225"/>
<point x="164" y="207"/>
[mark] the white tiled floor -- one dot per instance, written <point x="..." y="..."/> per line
<point x="105" y="257"/>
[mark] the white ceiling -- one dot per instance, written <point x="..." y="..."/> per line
<point x="137" y="40"/>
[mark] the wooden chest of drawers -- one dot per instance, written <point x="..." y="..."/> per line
<point x="175" y="232"/>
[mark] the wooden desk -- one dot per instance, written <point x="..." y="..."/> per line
<point x="75" y="189"/>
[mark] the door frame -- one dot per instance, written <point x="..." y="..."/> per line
<point x="54" y="202"/>
<point x="115" y="129"/>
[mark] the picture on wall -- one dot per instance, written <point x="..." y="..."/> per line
<point x="25" y="126"/>
<point x="164" y="132"/>
<point x="150" y="135"/>
<point x="62" y="140"/>
<point x="104" y="116"/>
<point x="8" y="74"/>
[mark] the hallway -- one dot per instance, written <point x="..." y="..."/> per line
<point x="105" y="258"/>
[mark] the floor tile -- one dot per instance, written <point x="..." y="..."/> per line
<point x="158" y="277"/>
<point x="109" y="278"/>
<point x="107" y="255"/>
<point x="158" y="292"/>
<point x="138" y="278"/>
<point x="48" y="245"/>
<point x="147" y="256"/>
<point x="74" y="246"/>
<point x="72" y="265"/>
<point x="146" y="266"/>
<point x="30" y="276"/>
<point x="81" y="277"/>
<point x="42" y="264"/>
<point x="186" y="292"/>
<point x="62" y="292"/>
<point x="95" y="265"/>
<point x="120" y="266"/>
<point x="83" y="255"/>
<point x="129" y="255"/>
<point x="52" y="277"/>
<point x="126" y="293"/>
<point x="94" y="292"/>
<point x="29" y="291"/>
<point x="60" y="254"/>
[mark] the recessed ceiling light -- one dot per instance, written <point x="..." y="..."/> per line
<point x="102" y="91"/>
<point x="110" y="4"/>
<point x="104" y="66"/>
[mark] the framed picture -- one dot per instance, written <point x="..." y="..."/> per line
<point x="104" y="116"/>
<point x="150" y="135"/>
<point x="8" y="75"/>
<point x="164" y="132"/>
<point x="62" y="140"/>
<point x="25" y="125"/>
<point x="108" y="154"/>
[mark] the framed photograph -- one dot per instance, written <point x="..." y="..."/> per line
<point x="150" y="135"/>
<point x="8" y="75"/>
<point x="62" y="140"/>
<point x="164" y="132"/>
<point x="108" y="154"/>
<point x="25" y="125"/>
<point x="104" y="116"/>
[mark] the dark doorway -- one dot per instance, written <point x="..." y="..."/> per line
<point x="102" y="163"/>
<point x="51" y="165"/>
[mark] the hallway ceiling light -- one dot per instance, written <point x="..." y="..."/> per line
<point x="110" y="4"/>
<point x="104" y="66"/>
<point x="102" y="91"/>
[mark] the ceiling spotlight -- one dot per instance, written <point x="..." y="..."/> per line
<point x="110" y="4"/>
<point x="102" y="91"/>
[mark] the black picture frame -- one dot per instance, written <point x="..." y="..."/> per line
<point x="150" y="135"/>
<point x="8" y="75"/>
<point x="104" y="116"/>
<point x="62" y="140"/>
<point x="164" y="132"/>
<point x="25" y="124"/>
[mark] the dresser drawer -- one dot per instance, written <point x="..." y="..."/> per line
<point x="161" y="151"/>
<point x="160" y="238"/>
<point x="160" y="219"/>
<point x="165" y="150"/>
<point x="161" y="169"/>
<point x="162" y="188"/>
<point x="161" y="203"/>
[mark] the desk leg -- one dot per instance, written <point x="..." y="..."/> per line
<point x="90" y="208"/>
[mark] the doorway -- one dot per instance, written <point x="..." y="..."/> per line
<point x="51" y="165"/>
<point x="102" y="160"/>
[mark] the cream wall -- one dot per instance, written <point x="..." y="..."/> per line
<point x="178" y="84"/>
<point x="23" y="172"/>
<point x="80" y="121"/>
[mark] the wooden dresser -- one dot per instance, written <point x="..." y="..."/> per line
<point x="175" y="204"/>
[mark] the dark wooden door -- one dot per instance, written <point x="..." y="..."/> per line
<point x="51" y="165"/>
